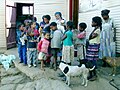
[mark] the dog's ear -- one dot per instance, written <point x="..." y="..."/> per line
<point x="79" y="65"/>
<point x="66" y="70"/>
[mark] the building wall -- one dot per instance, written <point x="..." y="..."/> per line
<point x="50" y="7"/>
<point x="114" y="7"/>
<point x="2" y="24"/>
<point x="41" y="7"/>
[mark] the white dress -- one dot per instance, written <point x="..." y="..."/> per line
<point x="107" y="45"/>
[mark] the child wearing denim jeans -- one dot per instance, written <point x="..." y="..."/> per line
<point x="32" y="44"/>
<point x="22" y="46"/>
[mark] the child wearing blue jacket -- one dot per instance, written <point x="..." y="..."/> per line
<point x="22" y="47"/>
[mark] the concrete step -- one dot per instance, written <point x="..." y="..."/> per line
<point x="36" y="73"/>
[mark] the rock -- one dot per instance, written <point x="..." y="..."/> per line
<point x="26" y="86"/>
<point x="49" y="84"/>
<point x="12" y="79"/>
<point x="8" y="87"/>
<point x="20" y="86"/>
<point x="10" y="71"/>
<point x="43" y="84"/>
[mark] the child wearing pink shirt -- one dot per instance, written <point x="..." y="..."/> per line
<point x="42" y="47"/>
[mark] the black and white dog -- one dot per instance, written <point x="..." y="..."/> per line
<point x="75" y="71"/>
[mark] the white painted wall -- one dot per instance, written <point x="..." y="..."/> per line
<point x="41" y="7"/>
<point x="2" y="24"/>
<point x="50" y="7"/>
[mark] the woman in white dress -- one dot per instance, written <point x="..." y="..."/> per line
<point x="107" y="45"/>
<point x="61" y="23"/>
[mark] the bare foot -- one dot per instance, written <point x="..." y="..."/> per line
<point x="42" y="69"/>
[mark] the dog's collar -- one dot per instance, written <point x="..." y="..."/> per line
<point x="91" y="69"/>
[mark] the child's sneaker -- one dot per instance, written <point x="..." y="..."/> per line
<point x="34" y="65"/>
<point x="29" y="65"/>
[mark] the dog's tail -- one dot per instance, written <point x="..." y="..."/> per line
<point x="91" y="69"/>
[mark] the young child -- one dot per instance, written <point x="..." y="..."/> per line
<point x="81" y="41"/>
<point x="55" y="42"/>
<point x="32" y="44"/>
<point x="68" y="48"/>
<point x="47" y="21"/>
<point x="42" y="47"/>
<point x="22" y="47"/>
<point x="44" y="25"/>
<point x="92" y="54"/>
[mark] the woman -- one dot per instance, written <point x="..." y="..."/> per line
<point x="107" y="45"/>
<point x="60" y="21"/>
<point x="92" y="54"/>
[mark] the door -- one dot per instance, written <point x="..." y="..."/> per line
<point x="10" y="26"/>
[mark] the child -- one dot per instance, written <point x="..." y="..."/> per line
<point x="32" y="44"/>
<point x="68" y="48"/>
<point x="55" y="42"/>
<point x="22" y="47"/>
<point x="37" y="25"/>
<point x="47" y="21"/>
<point x="44" y="25"/>
<point x="92" y="54"/>
<point x="42" y="47"/>
<point x="81" y="41"/>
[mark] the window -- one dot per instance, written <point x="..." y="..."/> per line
<point x="27" y="10"/>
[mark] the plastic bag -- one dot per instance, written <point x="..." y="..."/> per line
<point x="6" y="60"/>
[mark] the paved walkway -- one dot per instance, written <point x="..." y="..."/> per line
<point x="35" y="73"/>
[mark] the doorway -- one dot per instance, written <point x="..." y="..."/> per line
<point x="16" y="13"/>
<point x="10" y="25"/>
<point x="24" y="10"/>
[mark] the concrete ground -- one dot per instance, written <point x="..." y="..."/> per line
<point x="102" y="83"/>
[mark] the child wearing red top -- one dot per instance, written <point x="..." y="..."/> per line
<point x="42" y="47"/>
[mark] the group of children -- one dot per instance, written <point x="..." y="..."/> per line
<point x="57" y="38"/>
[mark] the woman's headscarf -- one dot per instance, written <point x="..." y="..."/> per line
<point x="105" y="12"/>
<point x="59" y="13"/>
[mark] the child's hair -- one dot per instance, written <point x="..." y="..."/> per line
<point x="45" y="33"/>
<point x="31" y="23"/>
<point x="20" y="25"/>
<point x="70" y="24"/>
<point x="98" y="21"/>
<point x="34" y="19"/>
<point x="83" y="25"/>
<point x="47" y="16"/>
<point x="53" y="24"/>
<point x="46" y="29"/>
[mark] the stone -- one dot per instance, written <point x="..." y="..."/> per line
<point x="26" y="86"/>
<point x="8" y="87"/>
<point x="10" y="71"/>
<point x="12" y="79"/>
<point x="49" y="84"/>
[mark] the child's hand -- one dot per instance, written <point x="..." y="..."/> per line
<point x="31" y="34"/>
<point x="94" y="35"/>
